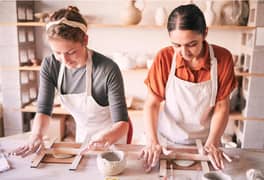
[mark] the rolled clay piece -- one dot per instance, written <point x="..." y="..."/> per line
<point x="62" y="156"/>
<point x="184" y="163"/>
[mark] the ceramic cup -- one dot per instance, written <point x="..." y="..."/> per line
<point x="111" y="162"/>
<point x="216" y="175"/>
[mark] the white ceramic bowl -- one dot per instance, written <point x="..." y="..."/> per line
<point x="111" y="162"/>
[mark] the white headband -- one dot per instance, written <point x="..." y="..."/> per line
<point x="67" y="22"/>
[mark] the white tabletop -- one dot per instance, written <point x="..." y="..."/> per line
<point x="134" y="170"/>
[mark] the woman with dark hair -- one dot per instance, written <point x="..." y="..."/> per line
<point x="89" y="84"/>
<point x="194" y="80"/>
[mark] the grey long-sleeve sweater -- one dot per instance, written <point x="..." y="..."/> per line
<point x="107" y="84"/>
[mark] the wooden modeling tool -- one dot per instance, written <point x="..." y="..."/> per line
<point x="61" y="152"/>
<point x="204" y="164"/>
<point x="40" y="155"/>
<point x="191" y="155"/>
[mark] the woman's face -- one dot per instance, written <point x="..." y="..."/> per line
<point x="72" y="54"/>
<point x="187" y="43"/>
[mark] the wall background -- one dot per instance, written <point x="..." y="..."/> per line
<point x="133" y="41"/>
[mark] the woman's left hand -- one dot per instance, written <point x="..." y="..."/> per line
<point x="216" y="156"/>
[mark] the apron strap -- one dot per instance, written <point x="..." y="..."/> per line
<point x="173" y="68"/>
<point x="89" y="68"/>
<point x="213" y="73"/>
<point x="59" y="82"/>
<point x="88" y="87"/>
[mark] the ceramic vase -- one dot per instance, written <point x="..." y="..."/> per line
<point x="231" y="12"/>
<point x="131" y="15"/>
<point x="209" y="13"/>
<point x="160" y="16"/>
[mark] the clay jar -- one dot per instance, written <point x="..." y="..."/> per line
<point x="111" y="163"/>
<point x="131" y="15"/>
<point x="160" y="16"/>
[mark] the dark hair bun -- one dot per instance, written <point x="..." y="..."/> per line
<point x="73" y="8"/>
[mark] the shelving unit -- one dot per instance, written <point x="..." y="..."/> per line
<point x="253" y="86"/>
<point x="20" y="85"/>
<point x="237" y="73"/>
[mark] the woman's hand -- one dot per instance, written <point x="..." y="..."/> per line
<point x="35" y="144"/>
<point x="150" y="154"/>
<point x="97" y="143"/>
<point x="216" y="156"/>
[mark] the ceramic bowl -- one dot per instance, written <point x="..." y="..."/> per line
<point x="111" y="162"/>
<point x="216" y="175"/>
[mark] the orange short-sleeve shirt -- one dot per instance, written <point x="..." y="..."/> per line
<point x="159" y="72"/>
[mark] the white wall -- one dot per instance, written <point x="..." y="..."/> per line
<point x="108" y="40"/>
<point x="134" y="41"/>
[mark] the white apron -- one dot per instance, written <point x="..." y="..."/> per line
<point x="90" y="117"/>
<point x="187" y="107"/>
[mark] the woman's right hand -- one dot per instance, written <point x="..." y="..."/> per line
<point x="35" y="144"/>
<point x="150" y="154"/>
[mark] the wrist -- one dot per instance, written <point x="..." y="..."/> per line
<point x="36" y="135"/>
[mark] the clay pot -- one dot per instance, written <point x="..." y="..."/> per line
<point x="35" y="62"/>
<point x="111" y="163"/>
<point x="131" y="15"/>
<point x="41" y="16"/>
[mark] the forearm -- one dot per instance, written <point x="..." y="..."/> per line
<point x="151" y="112"/>
<point x="40" y="124"/>
<point x="118" y="130"/>
<point x="218" y="122"/>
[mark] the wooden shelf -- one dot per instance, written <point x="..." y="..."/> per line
<point x="29" y="24"/>
<point x="138" y="70"/>
<point x="29" y="68"/>
<point x="240" y="73"/>
<point x="219" y="27"/>
<point x="239" y="116"/>
<point x="32" y="108"/>
<point x="41" y="24"/>
<point x="227" y="27"/>
<point x="60" y="110"/>
<point x="232" y="116"/>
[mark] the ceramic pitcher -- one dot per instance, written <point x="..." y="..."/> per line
<point x="131" y="15"/>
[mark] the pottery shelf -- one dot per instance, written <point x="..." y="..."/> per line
<point x="143" y="70"/>
<point x="215" y="27"/>
<point x="29" y="68"/>
<point x="60" y="110"/>
<point x="32" y="108"/>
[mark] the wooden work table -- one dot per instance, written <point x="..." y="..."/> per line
<point x="244" y="160"/>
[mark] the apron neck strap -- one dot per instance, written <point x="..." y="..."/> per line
<point x="89" y="65"/>
<point x="213" y="74"/>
